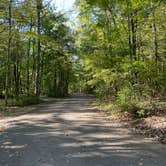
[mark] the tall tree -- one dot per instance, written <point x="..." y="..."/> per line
<point x="37" y="81"/>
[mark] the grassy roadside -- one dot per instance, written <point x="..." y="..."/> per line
<point x="147" y="118"/>
<point x="20" y="106"/>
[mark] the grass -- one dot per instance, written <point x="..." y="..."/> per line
<point x="141" y="109"/>
<point x="19" y="106"/>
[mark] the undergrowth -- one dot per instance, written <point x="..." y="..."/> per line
<point x="130" y="109"/>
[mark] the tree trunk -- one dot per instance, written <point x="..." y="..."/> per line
<point x="28" y="56"/>
<point x="155" y="41"/>
<point x="129" y="39"/>
<point x="134" y="36"/>
<point x="134" y="41"/>
<point x="8" y="53"/>
<point x="37" y="79"/>
<point x="16" y="71"/>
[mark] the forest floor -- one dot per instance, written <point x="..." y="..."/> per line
<point x="11" y="111"/>
<point x="152" y="126"/>
<point x="16" y="110"/>
<point x="70" y="132"/>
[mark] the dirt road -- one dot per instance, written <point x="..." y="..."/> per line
<point x="70" y="133"/>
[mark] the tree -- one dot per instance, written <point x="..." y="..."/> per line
<point x="119" y="47"/>
<point x="33" y="51"/>
<point x="37" y="81"/>
<point x="8" y="51"/>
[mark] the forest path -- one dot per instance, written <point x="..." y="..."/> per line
<point x="71" y="133"/>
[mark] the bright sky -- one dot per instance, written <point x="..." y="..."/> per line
<point x="63" y="5"/>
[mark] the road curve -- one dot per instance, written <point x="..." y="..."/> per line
<point x="71" y="133"/>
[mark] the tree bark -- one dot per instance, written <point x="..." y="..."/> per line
<point x="28" y="56"/>
<point x="8" y="53"/>
<point x="155" y="41"/>
<point x="37" y="79"/>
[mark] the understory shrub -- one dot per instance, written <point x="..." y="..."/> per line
<point x="134" y="110"/>
<point x="26" y="100"/>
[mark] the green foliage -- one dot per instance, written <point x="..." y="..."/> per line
<point x="34" y="55"/>
<point x="125" y="95"/>
<point x="20" y="101"/>
<point x="116" y="51"/>
<point x="25" y="101"/>
<point x="143" y="113"/>
<point x="121" y="48"/>
<point x="130" y="108"/>
<point x="134" y="110"/>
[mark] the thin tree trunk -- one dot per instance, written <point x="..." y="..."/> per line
<point x="28" y="56"/>
<point x="155" y="41"/>
<point x="129" y="39"/>
<point x="16" y="71"/>
<point x="37" y="80"/>
<point x="134" y="41"/>
<point x="8" y="54"/>
<point x="34" y="61"/>
<point x="134" y="38"/>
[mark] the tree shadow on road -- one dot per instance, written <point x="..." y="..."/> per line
<point x="69" y="133"/>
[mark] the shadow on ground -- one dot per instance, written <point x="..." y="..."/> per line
<point x="70" y="133"/>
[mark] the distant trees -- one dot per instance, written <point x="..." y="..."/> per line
<point x="35" y="51"/>
<point x="122" y="47"/>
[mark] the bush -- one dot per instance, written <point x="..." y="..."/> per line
<point x="134" y="110"/>
<point x="143" y="113"/>
<point x="130" y="108"/>
<point x="26" y="100"/>
<point x="2" y="109"/>
<point x="124" y="95"/>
